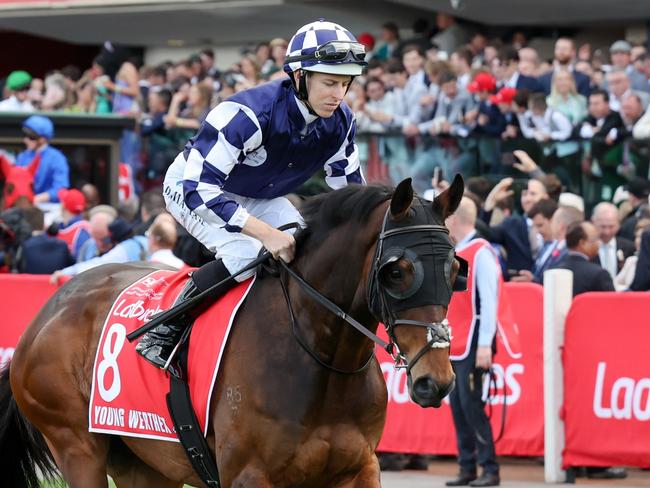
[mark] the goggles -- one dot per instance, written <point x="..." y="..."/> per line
<point x="334" y="52"/>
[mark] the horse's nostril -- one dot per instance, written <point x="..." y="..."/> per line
<point x="425" y="387"/>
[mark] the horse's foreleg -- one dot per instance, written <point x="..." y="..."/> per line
<point x="139" y="475"/>
<point x="81" y="458"/>
<point x="368" y="477"/>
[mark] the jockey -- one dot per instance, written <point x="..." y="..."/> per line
<point x="227" y="187"/>
<point x="52" y="173"/>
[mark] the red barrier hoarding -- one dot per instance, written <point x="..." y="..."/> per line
<point x="21" y="297"/>
<point x="607" y="380"/>
<point x="410" y="428"/>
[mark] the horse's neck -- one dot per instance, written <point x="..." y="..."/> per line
<point x="339" y="278"/>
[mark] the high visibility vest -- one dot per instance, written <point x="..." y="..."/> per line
<point x="464" y="312"/>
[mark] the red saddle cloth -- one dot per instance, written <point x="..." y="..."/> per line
<point x="128" y="395"/>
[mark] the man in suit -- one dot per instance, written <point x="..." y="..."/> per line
<point x="582" y="245"/>
<point x="541" y="214"/>
<point x="509" y="74"/>
<point x="620" y="53"/>
<point x="564" y="57"/>
<point x="612" y="250"/>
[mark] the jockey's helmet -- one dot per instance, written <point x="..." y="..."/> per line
<point x="325" y="47"/>
<point x="40" y="126"/>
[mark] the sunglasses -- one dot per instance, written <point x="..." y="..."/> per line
<point x="341" y="51"/>
<point x="31" y="137"/>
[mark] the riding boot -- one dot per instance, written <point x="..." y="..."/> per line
<point x="157" y="346"/>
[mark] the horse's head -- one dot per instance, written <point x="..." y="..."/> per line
<point x="18" y="182"/>
<point x="414" y="272"/>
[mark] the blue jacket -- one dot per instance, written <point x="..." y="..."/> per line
<point x="43" y="254"/>
<point x="53" y="173"/>
<point x="512" y="234"/>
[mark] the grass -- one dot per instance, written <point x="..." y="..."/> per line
<point x="61" y="484"/>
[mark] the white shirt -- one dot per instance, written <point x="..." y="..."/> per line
<point x="486" y="276"/>
<point x="166" y="256"/>
<point x="12" y="104"/>
<point x="607" y="255"/>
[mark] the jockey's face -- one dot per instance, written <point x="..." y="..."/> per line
<point x="32" y="144"/>
<point x="326" y="92"/>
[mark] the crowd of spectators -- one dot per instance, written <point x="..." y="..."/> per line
<point x="447" y="97"/>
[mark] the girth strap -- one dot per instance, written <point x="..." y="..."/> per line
<point x="187" y="426"/>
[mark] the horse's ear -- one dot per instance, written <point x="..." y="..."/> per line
<point x="447" y="202"/>
<point x="402" y="199"/>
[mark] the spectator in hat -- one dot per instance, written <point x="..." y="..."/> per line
<point x="488" y="122"/>
<point x="73" y="229"/>
<point x="42" y="253"/>
<point x="162" y="239"/>
<point x="18" y="83"/>
<point x="638" y="190"/>
<point x="124" y="248"/>
<point x="53" y="173"/>
<point x="621" y="56"/>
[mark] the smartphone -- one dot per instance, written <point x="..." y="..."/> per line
<point x="509" y="159"/>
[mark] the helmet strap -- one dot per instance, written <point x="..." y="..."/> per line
<point x="301" y="90"/>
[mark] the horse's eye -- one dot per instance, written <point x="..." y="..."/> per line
<point x="396" y="274"/>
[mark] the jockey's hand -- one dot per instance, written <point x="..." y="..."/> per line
<point x="280" y="244"/>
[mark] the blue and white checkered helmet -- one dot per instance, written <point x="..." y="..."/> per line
<point x="312" y="36"/>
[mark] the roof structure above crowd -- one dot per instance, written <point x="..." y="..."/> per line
<point x="160" y="22"/>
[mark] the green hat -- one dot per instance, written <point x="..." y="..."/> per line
<point x="18" y="79"/>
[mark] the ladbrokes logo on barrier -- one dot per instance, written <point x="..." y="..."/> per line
<point x="506" y="380"/>
<point x="628" y="398"/>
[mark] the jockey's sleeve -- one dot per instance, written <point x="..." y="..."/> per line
<point x="344" y="167"/>
<point x="229" y="132"/>
<point x="60" y="175"/>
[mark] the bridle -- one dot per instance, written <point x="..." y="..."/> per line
<point x="437" y="332"/>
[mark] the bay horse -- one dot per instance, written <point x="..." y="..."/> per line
<point x="301" y="420"/>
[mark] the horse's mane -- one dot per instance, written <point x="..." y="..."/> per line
<point x="325" y="212"/>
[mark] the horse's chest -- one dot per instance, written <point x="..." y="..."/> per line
<point x="328" y="453"/>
